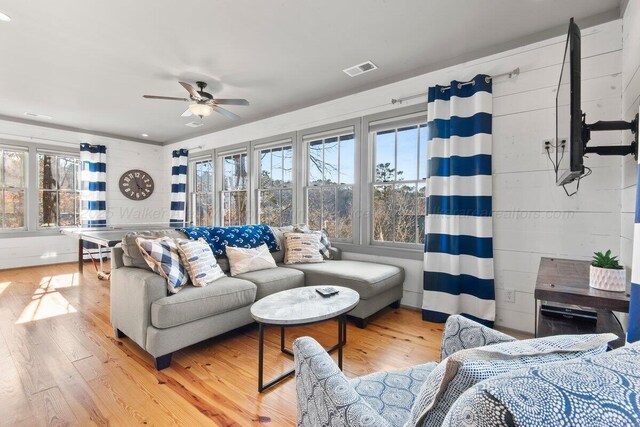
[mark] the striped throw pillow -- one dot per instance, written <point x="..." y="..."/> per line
<point x="324" y="245"/>
<point x="302" y="248"/>
<point x="197" y="257"/>
<point x="163" y="258"/>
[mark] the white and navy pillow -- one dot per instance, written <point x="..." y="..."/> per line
<point x="302" y="248"/>
<point x="163" y="258"/>
<point x="324" y="244"/>
<point x="199" y="261"/>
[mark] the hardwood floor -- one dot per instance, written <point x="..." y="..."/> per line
<point x="61" y="365"/>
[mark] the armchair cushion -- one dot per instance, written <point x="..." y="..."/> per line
<point x="599" y="390"/>
<point x="465" y="368"/>
<point x="461" y="333"/>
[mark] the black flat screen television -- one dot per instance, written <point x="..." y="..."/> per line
<point x="569" y="144"/>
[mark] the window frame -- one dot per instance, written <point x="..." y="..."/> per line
<point x="220" y="154"/>
<point x="277" y="141"/>
<point x="397" y="118"/>
<point x="25" y="188"/>
<point x="57" y="154"/>
<point x="191" y="185"/>
<point x="307" y="135"/>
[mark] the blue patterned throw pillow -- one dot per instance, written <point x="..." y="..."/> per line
<point x="163" y="258"/>
<point x="244" y="236"/>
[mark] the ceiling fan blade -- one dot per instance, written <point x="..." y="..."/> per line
<point x="192" y="91"/>
<point x="187" y="113"/>
<point x="170" y="98"/>
<point x="231" y="101"/>
<point x="228" y="114"/>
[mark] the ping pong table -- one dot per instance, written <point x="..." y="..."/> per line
<point x="106" y="237"/>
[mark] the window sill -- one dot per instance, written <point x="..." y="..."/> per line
<point x="25" y="233"/>
<point x="386" y="251"/>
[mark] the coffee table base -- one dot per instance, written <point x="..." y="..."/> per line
<point x="342" y="339"/>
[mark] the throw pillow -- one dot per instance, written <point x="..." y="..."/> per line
<point x="302" y="248"/>
<point x="163" y="258"/>
<point x="324" y="245"/>
<point x="199" y="261"/>
<point x="244" y="236"/>
<point x="465" y="368"/>
<point x="244" y="260"/>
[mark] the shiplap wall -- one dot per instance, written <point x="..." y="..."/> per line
<point x="630" y="106"/>
<point x="533" y="217"/>
<point x="121" y="156"/>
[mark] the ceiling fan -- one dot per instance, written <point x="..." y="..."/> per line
<point x="205" y="102"/>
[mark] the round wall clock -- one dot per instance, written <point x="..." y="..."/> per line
<point x="136" y="184"/>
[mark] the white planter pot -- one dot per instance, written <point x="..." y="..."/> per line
<point x="607" y="279"/>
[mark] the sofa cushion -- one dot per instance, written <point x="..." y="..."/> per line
<point x="465" y="368"/>
<point x="193" y="303"/>
<point x="244" y="260"/>
<point x="132" y="256"/>
<point x="367" y="278"/>
<point x="392" y="394"/>
<point x="273" y="280"/>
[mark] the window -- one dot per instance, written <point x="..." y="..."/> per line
<point x="201" y="202"/>
<point x="58" y="190"/>
<point x="234" y="189"/>
<point x="275" y="185"/>
<point x="12" y="188"/>
<point x="399" y="184"/>
<point x="330" y="182"/>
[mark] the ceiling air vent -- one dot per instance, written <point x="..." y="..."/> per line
<point x="356" y="70"/>
<point x="193" y="124"/>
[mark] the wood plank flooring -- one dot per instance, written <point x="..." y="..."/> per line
<point x="61" y="365"/>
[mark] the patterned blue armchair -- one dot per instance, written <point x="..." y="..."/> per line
<point x="454" y="391"/>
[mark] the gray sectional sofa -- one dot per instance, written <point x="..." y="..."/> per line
<point x="160" y="323"/>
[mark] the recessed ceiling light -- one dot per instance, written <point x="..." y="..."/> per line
<point x="144" y="135"/>
<point x="37" y="116"/>
<point x="4" y="17"/>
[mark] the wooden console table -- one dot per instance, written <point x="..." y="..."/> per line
<point x="566" y="281"/>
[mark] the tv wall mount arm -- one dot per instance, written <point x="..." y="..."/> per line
<point x="613" y="150"/>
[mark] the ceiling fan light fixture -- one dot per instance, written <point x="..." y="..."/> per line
<point x="201" y="110"/>
<point x="4" y="17"/>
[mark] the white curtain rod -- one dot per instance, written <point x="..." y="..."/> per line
<point x="511" y="74"/>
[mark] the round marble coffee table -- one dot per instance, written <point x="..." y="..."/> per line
<point x="301" y="306"/>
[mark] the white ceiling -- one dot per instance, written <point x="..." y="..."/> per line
<point x="88" y="63"/>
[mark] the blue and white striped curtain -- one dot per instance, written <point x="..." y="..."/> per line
<point x="458" y="259"/>
<point x="633" y="330"/>
<point x="93" y="185"/>
<point x="179" y="188"/>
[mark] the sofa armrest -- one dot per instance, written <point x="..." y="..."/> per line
<point x="336" y="253"/>
<point x="461" y="333"/>
<point x="133" y="290"/>
<point x="116" y="257"/>
<point x="325" y="396"/>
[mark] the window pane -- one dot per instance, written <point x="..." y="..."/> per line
<point x="13" y="169"/>
<point x="422" y="211"/>
<point x="242" y="172"/>
<point x="385" y="156"/>
<point x="67" y="208"/>
<point x="287" y="169"/>
<point x="331" y="161"/>
<point x="347" y="159"/>
<point x="423" y="151"/>
<point x="48" y="215"/>
<point x="407" y="154"/>
<point x="287" y="207"/>
<point x="265" y="169"/>
<point x="204" y="176"/>
<point x="276" y="167"/>
<point x="204" y="209"/>
<point x="329" y="210"/>
<point x="66" y="170"/>
<point x="47" y="172"/>
<point x="345" y="211"/>
<point x="405" y="212"/>
<point x="315" y="163"/>
<point x="13" y="209"/>
<point x="314" y="208"/>
<point x="229" y="168"/>
<point x="383" y="215"/>
<point x="269" y="212"/>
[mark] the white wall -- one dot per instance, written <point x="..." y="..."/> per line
<point x="533" y="218"/>
<point x="630" y="105"/>
<point x="121" y="156"/>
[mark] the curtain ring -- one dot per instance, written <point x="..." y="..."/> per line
<point x="487" y="79"/>
<point x="442" y="89"/>
<point x="459" y="85"/>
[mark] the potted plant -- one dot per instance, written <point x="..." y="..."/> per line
<point x="606" y="273"/>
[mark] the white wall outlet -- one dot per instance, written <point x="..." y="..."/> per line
<point x="510" y="296"/>
<point x="548" y="146"/>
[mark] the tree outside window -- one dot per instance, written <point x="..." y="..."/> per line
<point x="201" y="201"/>
<point x="275" y="186"/>
<point x="58" y="190"/>
<point x="234" y="189"/>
